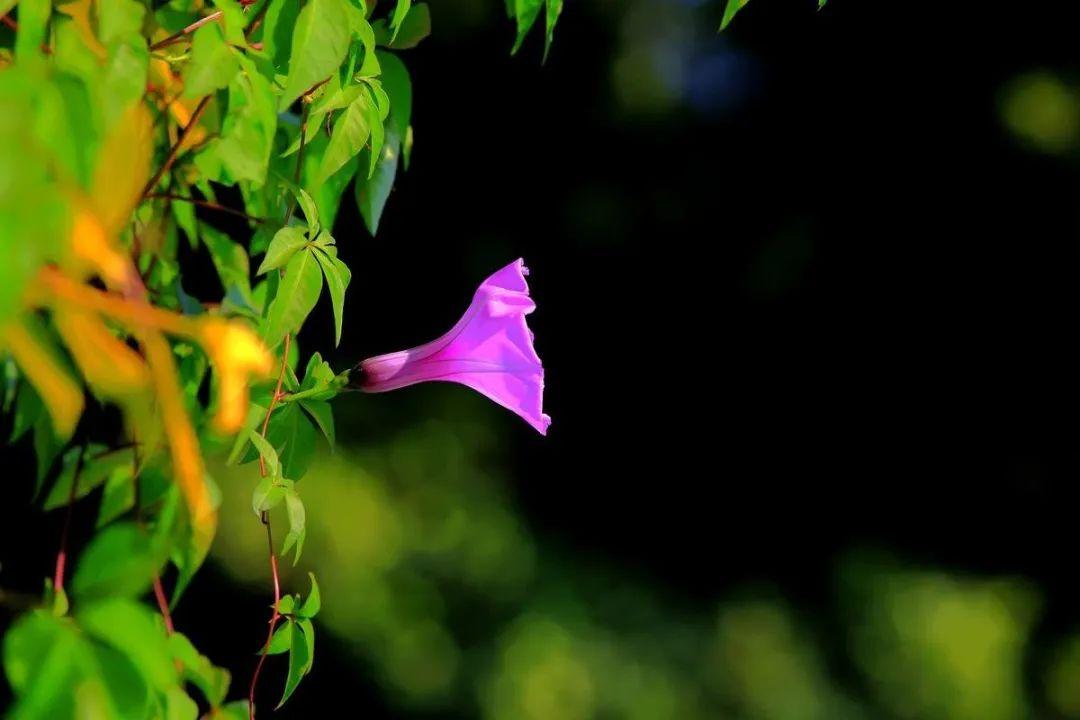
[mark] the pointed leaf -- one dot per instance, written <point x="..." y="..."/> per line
<point x="269" y="455"/>
<point x="286" y="243"/>
<point x="350" y="134"/>
<point x="213" y="63"/>
<point x="282" y="639"/>
<point x="313" y="602"/>
<point x="297" y="294"/>
<point x="299" y="663"/>
<point x="319" y="45"/>
<point x="338" y="277"/>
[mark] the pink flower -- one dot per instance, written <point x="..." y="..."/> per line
<point x="490" y="350"/>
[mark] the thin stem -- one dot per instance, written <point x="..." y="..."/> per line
<point x="9" y="22"/>
<point x="61" y="554"/>
<point x="276" y="396"/>
<point x="257" y="20"/>
<point x="178" y="36"/>
<point x="274" y="617"/>
<point x="175" y="149"/>
<point x="206" y="204"/>
<point x="163" y="604"/>
<point x="300" y="156"/>
<point x="265" y="517"/>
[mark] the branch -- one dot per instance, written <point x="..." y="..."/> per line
<point x="206" y="204"/>
<point x="9" y="22"/>
<point x="273" y="617"/>
<point x="178" y="36"/>
<point x="175" y="149"/>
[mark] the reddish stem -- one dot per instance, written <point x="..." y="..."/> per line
<point x="9" y="22"/>
<point x="163" y="604"/>
<point x="61" y="554"/>
<point x="274" y="617"/>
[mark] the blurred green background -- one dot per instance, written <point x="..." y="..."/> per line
<point x="807" y="292"/>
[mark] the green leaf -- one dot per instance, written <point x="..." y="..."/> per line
<point x="525" y="12"/>
<point x="350" y="134"/>
<point x="179" y="706"/>
<point x="120" y="21"/>
<point x="281" y="641"/>
<point x="299" y="664"/>
<point x="373" y="192"/>
<point x="296" y="297"/>
<point x="236" y="710"/>
<point x="415" y="27"/>
<point x="319" y="45"/>
<point x="732" y="7"/>
<point x="230" y="260"/>
<point x="197" y="669"/>
<point x="313" y="602"/>
<point x="117" y="498"/>
<point x="276" y="34"/>
<point x="98" y="466"/>
<point x="338" y="277"/>
<point x="311" y="212"/>
<point x="287" y="242"/>
<point x="267" y="495"/>
<point x="120" y="561"/>
<point x="213" y="63"/>
<point x="45" y="658"/>
<point x="400" y="11"/>
<point x="292" y="433"/>
<point x="132" y="629"/>
<point x="395" y="79"/>
<point x="551" y="16"/>
<point x="247" y="134"/>
<point x="320" y="412"/>
<point x="294" y="506"/>
<point x="308" y="629"/>
<point x="269" y="455"/>
<point x="256" y="413"/>
<point x="33" y="23"/>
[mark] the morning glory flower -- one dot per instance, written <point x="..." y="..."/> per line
<point x="490" y="350"/>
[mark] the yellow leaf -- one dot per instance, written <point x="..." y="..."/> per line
<point x="79" y="12"/>
<point x="109" y="366"/>
<point x="90" y="246"/>
<point x="44" y="369"/>
<point x="183" y="443"/>
<point x="123" y="167"/>
<point x="237" y="355"/>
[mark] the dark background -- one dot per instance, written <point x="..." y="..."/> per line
<point x="820" y="297"/>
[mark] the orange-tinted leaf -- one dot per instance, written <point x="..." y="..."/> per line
<point x="42" y="366"/>
<point x="123" y="167"/>
<point x="109" y="366"/>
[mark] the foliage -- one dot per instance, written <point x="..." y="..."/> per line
<point x="117" y="119"/>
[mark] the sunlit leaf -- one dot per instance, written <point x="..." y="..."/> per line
<point x="296" y="297"/>
<point x="120" y="561"/>
<point x="299" y="663"/>
<point x="213" y="63"/>
<point x="313" y="602"/>
<point x="197" y="669"/>
<point x="133" y="630"/>
<point x="286" y="243"/>
<point x="281" y="641"/>
<point x="319" y="44"/>
<point x="337" y="276"/>
<point x="294" y="507"/>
